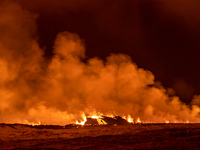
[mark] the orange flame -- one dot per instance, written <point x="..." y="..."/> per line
<point x="129" y="119"/>
<point x="82" y="122"/>
<point x="36" y="124"/>
<point x="167" y="121"/>
<point x="138" y="120"/>
<point x="32" y="123"/>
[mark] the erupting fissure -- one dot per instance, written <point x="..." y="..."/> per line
<point x="99" y="117"/>
<point x="56" y="90"/>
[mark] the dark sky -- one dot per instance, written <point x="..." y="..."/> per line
<point x="160" y="36"/>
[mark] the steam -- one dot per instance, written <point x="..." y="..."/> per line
<point x="56" y="92"/>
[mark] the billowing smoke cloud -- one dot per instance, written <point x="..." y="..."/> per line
<point x="20" y="60"/>
<point x="56" y="92"/>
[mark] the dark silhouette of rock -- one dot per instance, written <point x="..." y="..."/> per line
<point x="91" y="121"/>
<point x="116" y="120"/>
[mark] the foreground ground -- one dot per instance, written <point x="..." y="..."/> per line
<point x="136" y="136"/>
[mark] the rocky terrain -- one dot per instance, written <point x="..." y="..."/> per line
<point x="132" y="136"/>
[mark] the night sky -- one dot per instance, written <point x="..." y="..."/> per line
<point x="161" y="36"/>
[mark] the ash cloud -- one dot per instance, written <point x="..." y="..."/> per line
<point x="56" y="92"/>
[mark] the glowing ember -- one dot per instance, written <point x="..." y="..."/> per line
<point x="32" y="123"/>
<point x="129" y="119"/>
<point x="166" y="121"/>
<point x="138" y="120"/>
<point x="101" y="122"/>
<point x="36" y="124"/>
<point x="98" y="118"/>
<point x="84" y="120"/>
<point x="95" y="117"/>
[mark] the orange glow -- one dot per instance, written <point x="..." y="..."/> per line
<point x="36" y="124"/>
<point x="56" y="90"/>
<point x="129" y="119"/>
<point x="82" y="122"/>
<point x="32" y="123"/>
<point x="95" y="117"/>
<point x="138" y="120"/>
<point x="98" y="117"/>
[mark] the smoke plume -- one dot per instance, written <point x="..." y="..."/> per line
<point x="57" y="92"/>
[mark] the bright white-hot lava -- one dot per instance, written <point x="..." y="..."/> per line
<point x="83" y="121"/>
<point x="93" y="115"/>
<point x="129" y="119"/>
